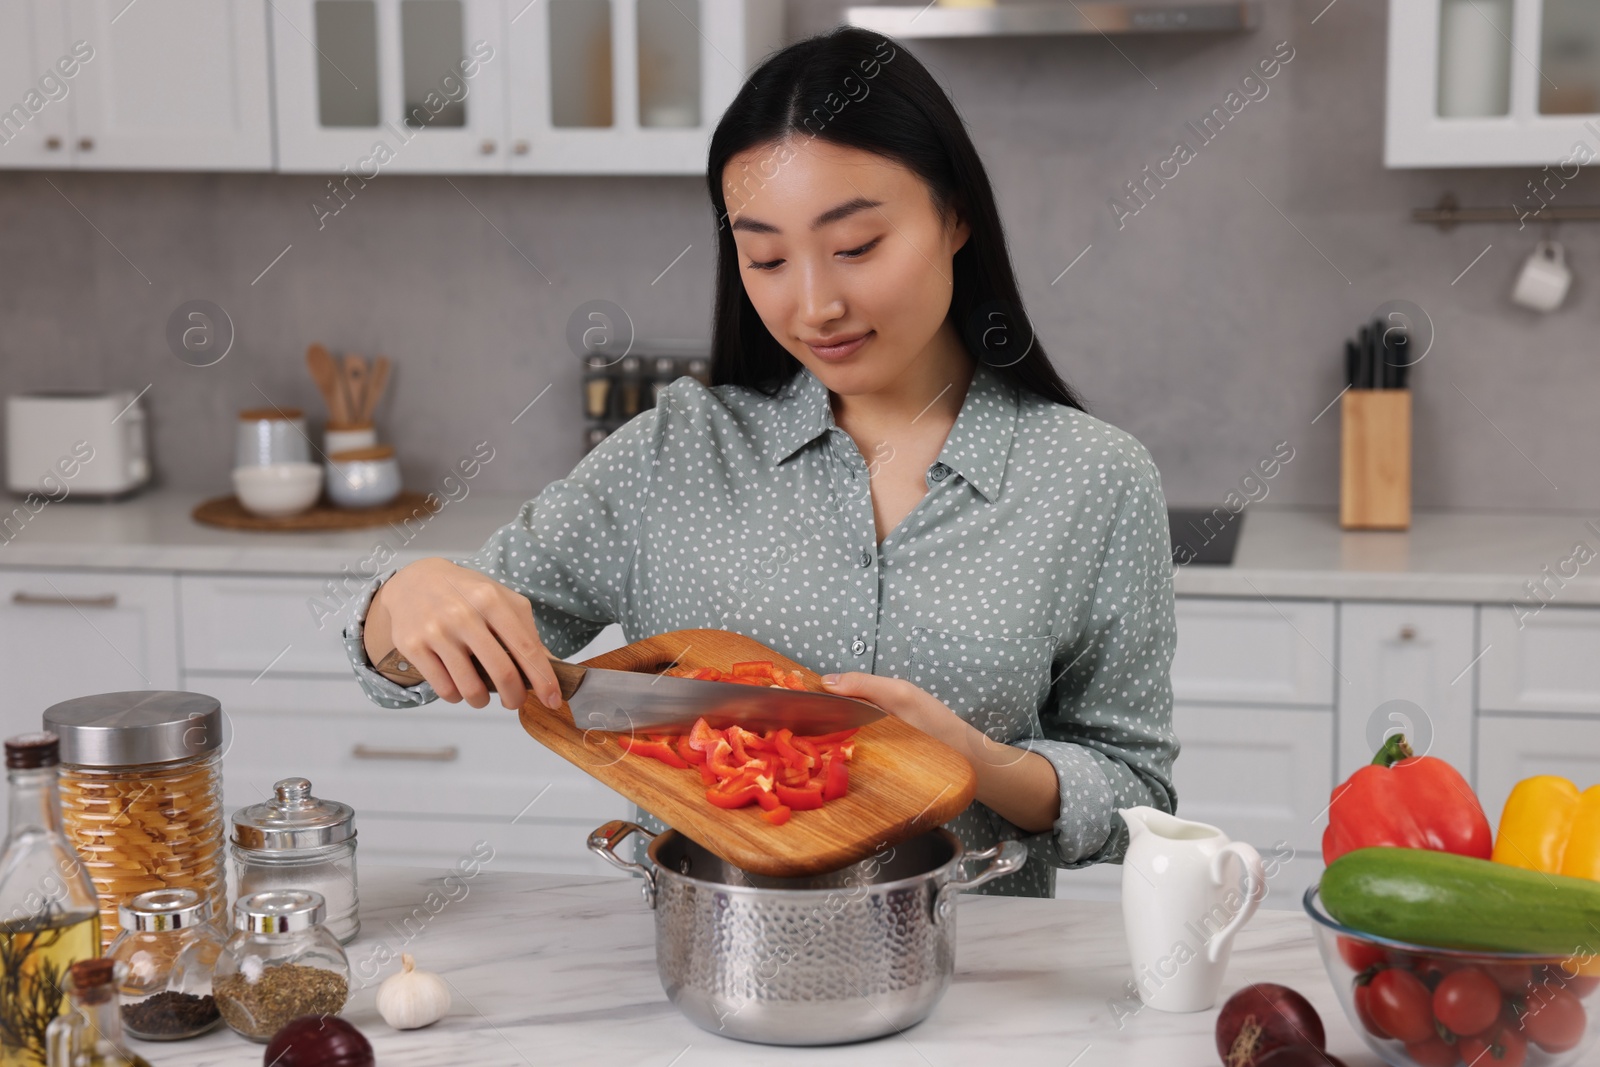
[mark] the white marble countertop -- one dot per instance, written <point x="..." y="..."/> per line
<point x="1283" y="552"/>
<point x="550" y="970"/>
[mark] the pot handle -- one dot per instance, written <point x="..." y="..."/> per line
<point x="603" y="843"/>
<point x="1005" y="858"/>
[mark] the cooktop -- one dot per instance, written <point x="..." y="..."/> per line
<point x="1204" y="535"/>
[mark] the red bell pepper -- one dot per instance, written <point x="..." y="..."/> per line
<point x="836" y="781"/>
<point x="688" y="752"/>
<point x="703" y="737"/>
<point x="800" y="798"/>
<point x="660" y="750"/>
<point x="1406" y="801"/>
<point x="777" y="816"/>
<point x="755" y="668"/>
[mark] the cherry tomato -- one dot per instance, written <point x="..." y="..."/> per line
<point x="1467" y="1001"/>
<point x="1402" y="1005"/>
<point x="1565" y="974"/>
<point x="1363" y="999"/>
<point x="1506" y="1048"/>
<point x="1433" y="971"/>
<point x="1512" y="978"/>
<point x="1361" y="955"/>
<point x="1434" y="1052"/>
<point x="1555" y="1019"/>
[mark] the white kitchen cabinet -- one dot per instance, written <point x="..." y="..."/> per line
<point x="1493" y="83"/>
<point x="1235" y="651"/>
<point x="1418" y="654"/>
<point x="1511" y="748"/>
<point x="628" y="86"/>
<point x="262" y="624"/>
<point x="1544" y="662"/>
<point x="36" y="96"/>
<point x="400" y="86"/>
<point x="173" y="85"/>
<point x="67" y="634"/>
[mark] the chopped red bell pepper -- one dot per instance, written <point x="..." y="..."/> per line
<point x="834" y="738"/>
<point x="654" y="749"/>
<point x="801" y="798"/>
<point x="722" y="760"/>
<point x="688" y="752"/>
<point x="702" y="736"/>
<point x="755" y="668"/>
<point x="707" y="775"/>
<point x="777" y="816"/>
<point x="836" y="782"/>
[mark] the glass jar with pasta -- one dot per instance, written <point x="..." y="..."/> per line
<point x="141" y="794"/>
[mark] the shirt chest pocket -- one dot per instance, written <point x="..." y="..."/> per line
<point x="995" y="683"/>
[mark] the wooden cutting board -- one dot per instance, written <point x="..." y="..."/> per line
<point x="902" y="781"/>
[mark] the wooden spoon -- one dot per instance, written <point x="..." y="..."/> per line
<point x="355" y="384"/>
<point x="375" y="383"/>
<point x="326" y="375"/>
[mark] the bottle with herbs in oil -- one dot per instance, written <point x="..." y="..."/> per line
<point x="49" y="914"/>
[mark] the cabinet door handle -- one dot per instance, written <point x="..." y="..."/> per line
<point x="488" y="146"/>
<point x="109" y="600"/>
<point x="521" y="147"/>
<point x="1408" y="632"/>
<point x="442" y="754"/>
<point x="86" y="144"/>
<point x="53" y="143"/>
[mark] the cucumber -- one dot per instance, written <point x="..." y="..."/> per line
<point x="1443" y="900"/>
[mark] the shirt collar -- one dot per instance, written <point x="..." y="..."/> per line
<point x="978" y="445"/>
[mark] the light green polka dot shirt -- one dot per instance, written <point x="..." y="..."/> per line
<point x="1030" y="589"/>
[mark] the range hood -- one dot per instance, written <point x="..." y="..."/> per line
<point x="1045" y="17"/>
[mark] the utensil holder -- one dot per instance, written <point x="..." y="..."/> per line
<point x="1375" y="459"/>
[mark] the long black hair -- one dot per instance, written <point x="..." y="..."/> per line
<point x="859" y="89"/>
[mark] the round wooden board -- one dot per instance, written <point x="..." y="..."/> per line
<point x="227" y="512"/>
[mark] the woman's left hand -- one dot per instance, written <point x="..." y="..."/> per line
<point x="905" y="701"/>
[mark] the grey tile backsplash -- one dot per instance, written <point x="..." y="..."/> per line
<point x="1209" y="323"/>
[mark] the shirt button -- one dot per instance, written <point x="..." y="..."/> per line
<point x="866" y="559"/>
<point x="859" y="647"/>
<point x="939" y="472"/>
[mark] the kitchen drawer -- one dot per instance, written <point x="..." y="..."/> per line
<point x="1263" y="775"/>
<point x="247" y="624"/>
<point x="439" y="760"/>
<point x="1514" y="747"/>
<point x="1549" y="663"/>
<point x="544" y="846"/>
<point x="1417" y="654"/>
<point x="66" y="634"/>
<point x="1234" y="651"/>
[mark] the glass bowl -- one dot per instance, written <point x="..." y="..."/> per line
<point x="1549" y="1006"/>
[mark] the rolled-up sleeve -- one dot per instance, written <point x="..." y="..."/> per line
<point x="569" y="551"/>
<point x="1107" y="723"/>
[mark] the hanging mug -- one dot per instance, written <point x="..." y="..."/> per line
<point x="1544" y="279"/>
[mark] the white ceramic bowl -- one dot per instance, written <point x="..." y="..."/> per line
<point x="274" y="490"/>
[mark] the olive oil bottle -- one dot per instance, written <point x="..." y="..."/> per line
<point x="49" y="915"/>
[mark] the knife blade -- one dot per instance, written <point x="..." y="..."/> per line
<point x="627" y="701"/>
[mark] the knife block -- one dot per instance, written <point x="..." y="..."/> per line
<point x="1375" y="459"/>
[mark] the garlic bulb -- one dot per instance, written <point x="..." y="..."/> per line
<point x="412" y="998"/>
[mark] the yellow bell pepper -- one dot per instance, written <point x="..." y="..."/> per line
<point x="1549" y="826"/>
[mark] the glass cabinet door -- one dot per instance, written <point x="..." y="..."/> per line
<point x="1569" y="58"/>
<point x="367" y="86"/>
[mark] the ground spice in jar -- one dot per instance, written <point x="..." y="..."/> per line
<point x="170" y="1014"/>
<point x="259" y="1009"/>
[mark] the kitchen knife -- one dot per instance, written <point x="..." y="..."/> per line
<point x="628" y="701"/>
<point x="1364" y="364"/>
<point x="1402" y="359"/>
<point x="1352" y="364"/>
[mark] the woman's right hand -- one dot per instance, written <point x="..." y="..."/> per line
<point x="441" y="615"/>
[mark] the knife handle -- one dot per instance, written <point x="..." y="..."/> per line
<point x="397" y="668"/>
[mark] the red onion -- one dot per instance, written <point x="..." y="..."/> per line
<point x="319" y="1041"/>
<point x="1262" y="1018"/>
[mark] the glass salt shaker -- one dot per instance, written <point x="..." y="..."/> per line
<point x="297" y="841"/>
<point x="170" y="947"/>
<point x="280" y="963"/>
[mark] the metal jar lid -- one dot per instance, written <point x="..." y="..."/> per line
<point x="164" y="909"/>
<point x="293" y="819"/>
<point x="279" y="911"/>
<point x="134" y="728"/>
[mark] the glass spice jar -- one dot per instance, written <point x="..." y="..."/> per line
<point x="297" y="841"/>
<point x="141" y="794"/>
<point x="281" y="963"/>
<point x="170" y="948"/>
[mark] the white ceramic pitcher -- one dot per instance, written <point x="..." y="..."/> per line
<point x="1181" y="908"/>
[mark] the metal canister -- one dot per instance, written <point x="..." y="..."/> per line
<point x="141" y="794"/>
<point x="294" y="840"/>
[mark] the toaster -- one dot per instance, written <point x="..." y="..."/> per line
<point x="63" y="443"/>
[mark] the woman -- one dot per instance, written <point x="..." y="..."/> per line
<point x="888" y="482"/>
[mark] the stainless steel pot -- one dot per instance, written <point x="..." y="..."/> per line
<point x="858" y="953"/>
